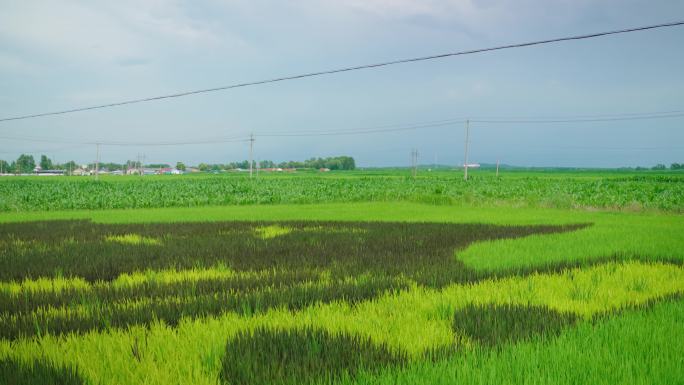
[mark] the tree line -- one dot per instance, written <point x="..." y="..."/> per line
<point x="26" y="164"/>
<point x="332" y="163"/>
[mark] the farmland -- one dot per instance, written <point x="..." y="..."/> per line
<point x="611" y="190"/>
<point x="349" y="278"/>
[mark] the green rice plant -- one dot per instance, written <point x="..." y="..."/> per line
<point x="612" y="237"/>
<point x="493" y="324"/>
<point x="301" y="356"/>
<point x="636" y="347"/>
<point x="33" y="315"/>
<point x="105" y="251"/>
<point x="415" y="321"/>
<point x="37" y="372"/>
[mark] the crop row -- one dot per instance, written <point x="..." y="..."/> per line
<point x="84" y="313"/>
<point x="664" y="193"/>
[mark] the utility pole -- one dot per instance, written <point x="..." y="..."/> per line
<point x="497" y="168"/>
<point x="251" y="153"/>
<point x="465" y="161"/>
<point x="414" y="162"/>
<point x="97" y="162"/>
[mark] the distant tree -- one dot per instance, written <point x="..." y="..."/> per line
<point x="203" y="167"/>
<point x="45" y="162"/>
<point x="267" y="164"/>
<point x="25" y="164"/>
<point x="180" y="166"/>
<point x="70" y="166"/>
<point x="158" y="165"/>
<point x="659" y="166"/>
<point x="348" y="163"/>
<point x="5" y="167"/>
<point x="676" y="166"/>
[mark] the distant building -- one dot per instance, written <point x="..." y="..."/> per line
<point x="169" y="171"/>
<point x="42" y="172"/>
<point x="80" y="172"/>
<point x="324" y="169"/>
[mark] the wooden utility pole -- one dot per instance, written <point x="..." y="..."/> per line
<point x="251" y="153"/>
<point x="465" y="161"/>
<point x="414" y="163"/>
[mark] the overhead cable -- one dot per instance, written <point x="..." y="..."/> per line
<point x="346" y="69"/>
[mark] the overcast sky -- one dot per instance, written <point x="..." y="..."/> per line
<point x="64" y="54"/>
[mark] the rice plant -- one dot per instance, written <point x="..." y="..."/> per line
<point x="37" y="372"/>
<point x="494" y="324"/>
<point x="301" y="356"/>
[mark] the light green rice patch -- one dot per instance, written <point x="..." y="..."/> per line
<point x="57" y="285"/>
<point x="272" y="231"/>
<point x="133" y="239"/>
<point x="169" y="276"/>
<point x="334" y="230"/>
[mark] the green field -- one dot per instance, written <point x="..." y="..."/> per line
<point x="571" y="189"/>
<point x="344" y="278"/>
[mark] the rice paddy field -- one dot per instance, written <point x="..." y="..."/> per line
<point x="345" y="278"/>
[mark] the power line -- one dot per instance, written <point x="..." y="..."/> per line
<point x="123" y="144"/>
<point x="447" y="122"/>
<point x="364" y="131"/>
<point x="369" y="130"/>
<point x="580" y="120"/>
<point x="347" y="69"/>
<point x="563" y="117"/>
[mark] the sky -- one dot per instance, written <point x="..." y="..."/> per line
<point x="58" y="55"/>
